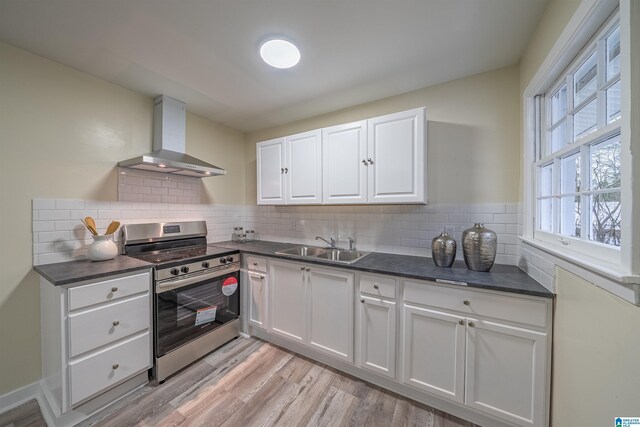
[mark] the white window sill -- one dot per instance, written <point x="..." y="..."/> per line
<point x="610" y="277"/>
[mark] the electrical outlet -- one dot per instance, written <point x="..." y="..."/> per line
<point x="450" y="230"/>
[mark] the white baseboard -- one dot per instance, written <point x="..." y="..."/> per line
<point x="19" y="396"/>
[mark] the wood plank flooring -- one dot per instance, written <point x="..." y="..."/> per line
<point x="249" y="382"/>
<point x="25" y="415"/>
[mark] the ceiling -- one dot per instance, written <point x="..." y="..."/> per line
<point x="205" y="52"/>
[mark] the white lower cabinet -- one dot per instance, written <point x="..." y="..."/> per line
<point x="330" y="313"/>
<point x="481" y="355"/>
<point x="474" y="348"/>
<point x="506" y="371"/>
<point x="314" y="306"/>
<point x="96" y="342"/>
<point x="378" y="336"/>
<point x="288" y="300"/>
<point x="434" y="352"/>
<point x="258" y="299"/>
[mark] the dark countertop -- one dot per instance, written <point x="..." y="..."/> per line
<point x="505" y="278"/>
<point x="63" y="273"/>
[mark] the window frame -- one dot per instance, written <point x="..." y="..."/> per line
<point x="621" y="278"/>
<point x="604" y="131"/>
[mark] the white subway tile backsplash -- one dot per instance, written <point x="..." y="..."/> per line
<point x="53" y="214"/>
<point x="44" y="204"/>
<point x="43" y="226"/>
<point x="136" y="185"/>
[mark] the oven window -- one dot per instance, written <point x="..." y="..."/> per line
<point x="186" y="313"/>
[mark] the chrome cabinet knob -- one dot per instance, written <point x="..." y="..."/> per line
<point x="362" y="300"/>
<point x="461" y="322"/>
<point x="115" y="366"/>
<point x="281" y="170"/>
<point x="467" y="302"/>
<point x="364" y="162"/>
<point x="307" y="269"/>
<point x="302" y="268"/>
<point x="375" y="286"/>
<point x="370" y="161"/>
<point x="286" y="170"/>
<point x="472" y="324"/>
<point x="115" y="323"/>
<point x="255" y="264"/>
<point x="114" y="289"/>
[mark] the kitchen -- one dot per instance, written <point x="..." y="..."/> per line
<point x="63" y="132"/>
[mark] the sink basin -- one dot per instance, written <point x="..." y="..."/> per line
<point x="312" y="251"/>
<point x="342" y="256"/>
<point x="337" y="255"/>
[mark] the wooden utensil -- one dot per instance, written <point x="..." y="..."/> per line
<point x="91" y="225"/>
<point x="112" y="227"/>
<point x="94" y="232"/>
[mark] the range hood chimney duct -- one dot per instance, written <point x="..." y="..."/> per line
<point x="168" y="155"/>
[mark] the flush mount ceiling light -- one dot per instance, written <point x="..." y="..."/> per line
<point x="280" y="53"/>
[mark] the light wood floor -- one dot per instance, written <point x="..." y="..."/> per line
<point x="249" y="382"/>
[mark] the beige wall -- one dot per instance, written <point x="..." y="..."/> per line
<point x="61" y="134"/>
<point x="596" y="355"/>
<point x="596" y="346"/>
<point x="472" y="137"/>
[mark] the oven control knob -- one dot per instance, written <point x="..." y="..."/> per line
<point x="223" y="260"/>
<point x="205" y="264"/>
<point x="175" y="271"/>
<point x="185" y="269"/>
<point x="229" y="259"/>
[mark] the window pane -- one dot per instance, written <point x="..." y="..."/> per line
<point x="546" y="180"/>
<point x="613" y="53"/>
<point x="585" y="121"/>
<point x="605" y="218"/>
<point x="613" y="102"/>
<point x="570" y="216"/>
<point x="570" y="174"/>
<point x="545" y="214"/>
<point x="558" y="137"/>
<point x="559" y="105"/>
<point x="584" y="80"/>
<point x="605" y="164"/>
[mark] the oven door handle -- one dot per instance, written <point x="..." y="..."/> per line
<point x="179" y="283"/>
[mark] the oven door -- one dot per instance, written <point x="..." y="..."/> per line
<point x="193" y="306"/>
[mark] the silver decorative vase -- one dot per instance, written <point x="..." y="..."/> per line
<point x="443" y="250"/>
<point x="479" y="246"/>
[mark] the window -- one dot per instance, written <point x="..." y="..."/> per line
<point x="578" y="155"/>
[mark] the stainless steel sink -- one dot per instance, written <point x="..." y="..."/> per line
<point x="337" y="255"/>
<point x="307" y="251"/>
<point x="346" y="257"/>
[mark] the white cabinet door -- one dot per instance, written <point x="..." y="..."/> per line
<point x="257" y="299"/>
<point x="378" y="336"/>
<point x="344" y="165"/>
<point x="434" y="352"/>
<point x="270" y="158"/>
<point x="330" y="314"/>
<point x="506" y="372"/>
<point x="288" y="300"/>
<point x="303" y="168"/>
<point x="397" y="157"/>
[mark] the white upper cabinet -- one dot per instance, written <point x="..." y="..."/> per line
<point x="380" y="160"/>
<point x="344" y="165"/>
<point x="303" y="169"/>
<point x="270" y="160"/>
<point x="396" y="156"/>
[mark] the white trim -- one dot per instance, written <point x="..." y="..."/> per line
<point x="622" y="286"/>
<point x="21" y="395"/>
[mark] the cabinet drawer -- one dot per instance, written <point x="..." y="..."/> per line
<point x="474" y="303"/>
<point x="378" y="286"/>
<point x="109" y="367"/>
<point x="108" y="290"/>
<point x="257" y="264"/>
<point x="100" y="326"/>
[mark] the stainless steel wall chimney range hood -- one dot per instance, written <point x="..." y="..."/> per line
<point x="169" y="116"/>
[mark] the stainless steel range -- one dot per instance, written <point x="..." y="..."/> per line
<point x="197" y="291"/>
